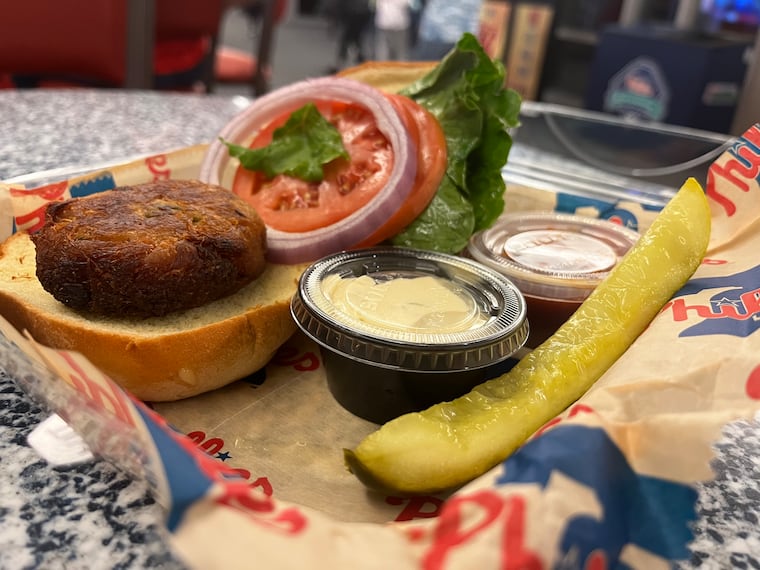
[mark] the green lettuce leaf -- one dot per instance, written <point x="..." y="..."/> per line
<point x="447" y="224"/>
<point x="466" y="93"/>
<point x="300" y="148"/>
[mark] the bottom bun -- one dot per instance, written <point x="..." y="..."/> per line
<point x="160" y="358"/>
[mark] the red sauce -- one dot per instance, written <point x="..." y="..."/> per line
<point x="545" y="316"/>
<point x="555" y="259"/>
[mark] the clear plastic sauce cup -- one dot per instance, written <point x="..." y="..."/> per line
<point x="555" y="259"/>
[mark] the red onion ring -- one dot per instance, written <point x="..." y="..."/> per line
<point x="297" y="247"/>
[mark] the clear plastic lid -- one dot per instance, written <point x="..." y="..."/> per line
<point x="410" y="309"/>
<point x="552" y="255"/>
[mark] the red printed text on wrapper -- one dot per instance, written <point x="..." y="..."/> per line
<point x="159" y="167"/>
<point x="33" y="203"/>
<point x="214" y="446"/>
<point x="105" y="395"/>
<point x="736" y="171"/>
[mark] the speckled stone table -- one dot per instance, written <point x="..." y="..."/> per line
<point x="92" y="516"/>
<point x="43" y="130"/>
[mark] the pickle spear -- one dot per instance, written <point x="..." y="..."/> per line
<point x="454" y="442"/>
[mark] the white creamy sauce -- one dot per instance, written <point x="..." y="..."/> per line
<point x="421" y="304"/>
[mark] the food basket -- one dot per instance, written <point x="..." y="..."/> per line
<point x="256" y="468"/>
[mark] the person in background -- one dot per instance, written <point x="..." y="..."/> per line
<point x="352" y="19"/>
<point x="392" y="29"/>
<point x="416" y="7"/>
<point x="442" y="24"/>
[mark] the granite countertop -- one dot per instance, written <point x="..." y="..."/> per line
<point x="42" y="129"/>
<point x="94" y="516"/>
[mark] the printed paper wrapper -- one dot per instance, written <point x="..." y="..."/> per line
<point x="252" y="474"/>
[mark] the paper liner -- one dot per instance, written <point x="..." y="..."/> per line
<point x="258" y="479"/>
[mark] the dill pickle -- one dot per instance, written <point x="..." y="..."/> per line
<point x="454" y="442"/>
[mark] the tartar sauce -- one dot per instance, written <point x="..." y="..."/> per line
<point x="418" y="304"/>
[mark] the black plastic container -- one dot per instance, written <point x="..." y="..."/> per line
<point x="403" y="329"/>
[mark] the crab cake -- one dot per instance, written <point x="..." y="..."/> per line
<point x="149" y="249"/>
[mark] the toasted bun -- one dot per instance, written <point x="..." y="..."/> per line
<point x="390" y="76"/>
<point x="159" y="358"/>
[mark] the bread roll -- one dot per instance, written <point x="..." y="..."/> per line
<point x="161" y="358"/>
<point x="390" y="76"/>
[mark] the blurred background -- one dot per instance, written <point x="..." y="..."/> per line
<point x="302" y="45"/>
<point x="682" y="62"/>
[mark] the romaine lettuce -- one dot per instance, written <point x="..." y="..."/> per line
<point x="466" y="93"/>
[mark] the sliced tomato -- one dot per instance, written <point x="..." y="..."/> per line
<point x="289" y="204"/>
<point x="432" y="158"/>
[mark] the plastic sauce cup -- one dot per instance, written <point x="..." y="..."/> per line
<point x="556" y="260"/>
<point x="402" y="329"/>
